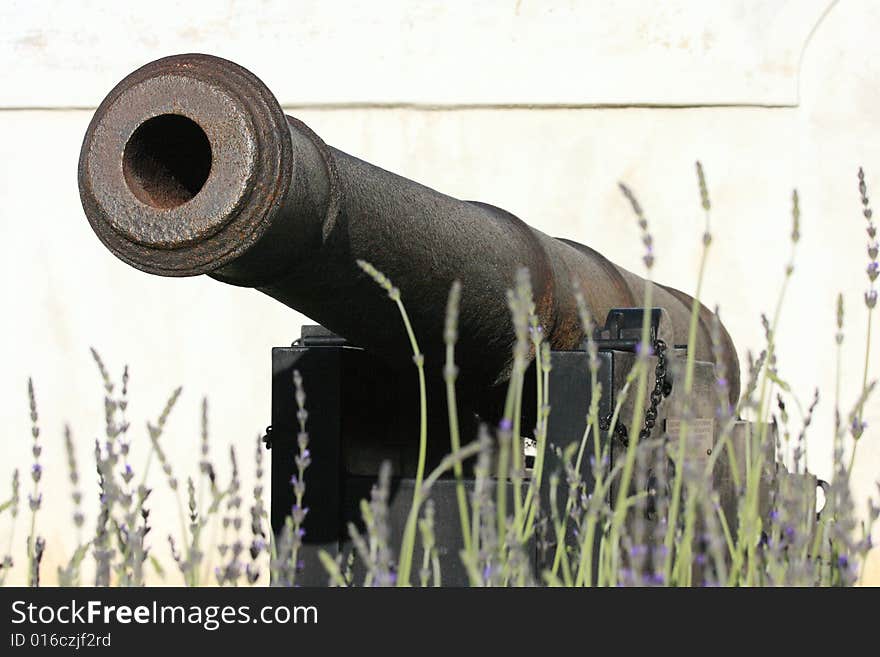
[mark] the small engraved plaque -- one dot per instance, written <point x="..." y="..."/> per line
<point x="700" y="439"/>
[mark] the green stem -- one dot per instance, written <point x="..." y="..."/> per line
<point x="852" y="456"/>
<point x="31" y="544"/>
<point x="678" y="480"/>
<point x="559" y="525"/>
<point x="516" y="445"/>
<point x="543" y="376"/>
<point x="501" y="488"/>
<point x="405" y="564"/>
<point x="620" y="506"/>
<point x="455" y="443"/>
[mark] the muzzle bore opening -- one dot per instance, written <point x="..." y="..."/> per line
<point x="166" y="161"/>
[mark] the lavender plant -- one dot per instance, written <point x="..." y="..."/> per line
<point x="650" y="516"/>
<point x="12" y="505"/>
<point x="36" y="544"/>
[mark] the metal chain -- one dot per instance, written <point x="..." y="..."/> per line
<point x="659" y="392"/>
<point x="662" y="388"/>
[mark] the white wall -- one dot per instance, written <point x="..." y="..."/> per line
<point x="538" y="107"/>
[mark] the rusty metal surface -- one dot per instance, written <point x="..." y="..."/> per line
<point x="190" y="167"/>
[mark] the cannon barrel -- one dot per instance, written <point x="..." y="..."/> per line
<point x="190" y="166"/>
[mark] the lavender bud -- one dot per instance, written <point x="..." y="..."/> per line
<point x="644" y="350"/>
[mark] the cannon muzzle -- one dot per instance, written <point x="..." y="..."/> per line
<point x="190" y="167"/>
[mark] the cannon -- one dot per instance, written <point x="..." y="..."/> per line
<point x="190" y="166"/>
